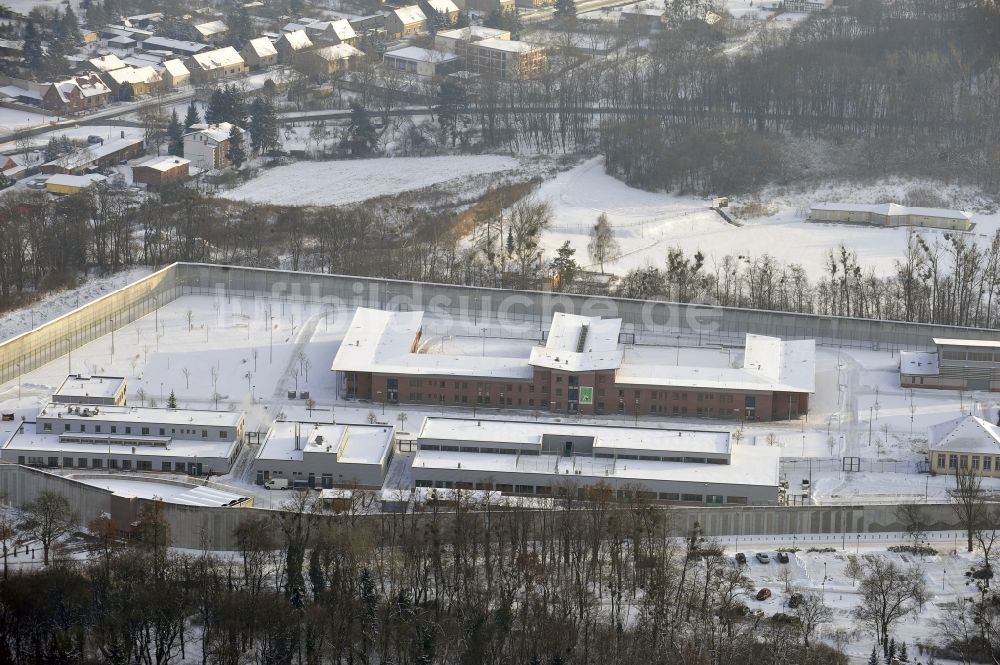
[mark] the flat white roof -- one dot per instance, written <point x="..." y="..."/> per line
<point x="945" y="341"/>
<point x="756" y="467"/>
<point x="144" y="415"/>
<point x="579" y="344"/>
<point x="769" y="364"/>
<point x="893" y="209"/>
<point x="163" y="163"/>
<point x="605" y="436"/>
<point x="80" y="386"/>
<point x="350" y="444"/>
<point x="188" y="495"/>
<point x="421" y="54"/>
<point x="474" y="32"/>
<point x="918" y="363"/>
<point x="69" y="180"/>
<point x="510" y="45"/>
<point x="382" y="342"/>
<point x="31" y="441"/>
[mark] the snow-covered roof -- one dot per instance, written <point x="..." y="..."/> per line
<point x="297" y="40"/>
<point x="473" y="32"/>
<point x="217" y="59"/>
<point x="418" y="54"/>
<point x="76" y="386"/>
<point x="176" y="67"/>
<point x="919" y="363"/>
<point x="216" y="132"/>
<point x="985" y="343"/>
<point x="168" y="44"/>
<point x="893" y="210"/>
<point x="443" y="6"/>
<point x="967" y="434"/>
<point x="163" y="163"/>
<point x="351" y="444"/>
<point x="409" y="14"/>
<point x="145" y="415"/>
<point x="383" y="342"/>
<point x="211" y="28"/>
<point x="293" y="27"/>
<point x="106" y="63"/>
<point x="342" y="28"/>
<point x="262" y="47"/>
<point x="580" y="344"/>
<point x="92" y="153"/>
<point x="337" y="52"/>
<point x="67" y="180"/>
<point x="89" y="85"/>
<point x="769" y="364"/>
<point x="133" y="75"/>
<point x="28" y="439"/>
<point x="510" y="45"/>
<point x="15" y="92"/>
<point x="752" y="467"/>
<point x="605" y="436"/>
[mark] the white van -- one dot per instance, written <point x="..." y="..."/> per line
<point x="277" y="484"/>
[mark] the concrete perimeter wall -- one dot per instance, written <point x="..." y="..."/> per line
<point x="652" y="322"/>
<point x="195" y="527"/>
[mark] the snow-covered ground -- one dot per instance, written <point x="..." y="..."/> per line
<point x="353" y="181"/>
<point x="648" y="223"/>
<point x="58" y="303"/>
<point x="80" y="133"/>
<point x="12" y="120"/>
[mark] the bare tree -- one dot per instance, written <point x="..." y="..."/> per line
<point x="888" y="594"/>
<point x="914" y="519"/>
<point x="968" y="501"/>
<point x="811" y="612"/>
<point x="602" y="246"/>
<point x="9" y="536"/>
<point x="47" y="519"/>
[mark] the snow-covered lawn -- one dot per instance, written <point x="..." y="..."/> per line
<point x="648" y="223"/>
<point x="353" y="181"/>
<point x="12" y="120"/>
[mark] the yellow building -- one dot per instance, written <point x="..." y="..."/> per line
<point x="71" y="184"/>
<point x="965" y="443"/>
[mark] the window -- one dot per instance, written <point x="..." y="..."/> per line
<point x="163" y="431"/>
<point x="66" y="427"/>
<point x="741" y="500"/>
<point x="112" y="464"/>
<point x="67" y="461"/>
<point x="128" y="430"/>
<point x="669" y="496"/>
<point x="96" y="463"/>
<point x="952" y="461"/>
<point x="47" y="427"/>
<point x="986" y="463"/>
<point x="165" y="466"/>
<point x="97" y="428"/>
<point x="82" y="462"/>
<point x="126" y="464"/>
<point x="975" y="462"/>
<point x="114" y="429"/>
<point x="692" y="498"/>
<point x="143" y="465"/>
<point x="179" y="466"/>
<point x="204" y="433"/>
<point x="223" y="434"/>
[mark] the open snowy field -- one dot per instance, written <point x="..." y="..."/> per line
<point x="353" y="181"/>
<point x="648" y="223"/>
<point x="12" y="120"/>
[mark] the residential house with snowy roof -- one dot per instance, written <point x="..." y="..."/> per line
<point x="965" y="443"/>
<point x="445" y="12"/>
<point x="214" y="65"/>
<point x="339" y="31"/>
<point x="140" y="81"/>
<point x="290" y="44"/>
<point x="405" y="22"/>
<point x="260" y="53"/>
<point x="326" y="61"/>
<point x="211" y="32"/>
<point x="207" y="145"/>
<point x="177" y="46"/>
<point x="158" y="172"/>
<point x="175" y="74"/>
<point x="76" y="94"/>
<point x="582" y="367"/>
<point x="106" y="63"/>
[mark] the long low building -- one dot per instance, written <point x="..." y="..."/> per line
<point x="325" y="455"/>
<point x="891" y="215"/>
<point x="544" y="459"/>
<point x="958" y="364"/>
<point x="79" y="436"/>
<point x="581" y="368"/>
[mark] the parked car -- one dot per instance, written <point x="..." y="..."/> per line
<point x="764" y="594"/>
<point x="93" y="139"/>
<point x="795" y="600"/>
<point x="763" y="557"/>
<point x="36" y="184"/>
<point x="277" y="484"/>
<point x="782" y="557"/>
<point x="741" y="558"/>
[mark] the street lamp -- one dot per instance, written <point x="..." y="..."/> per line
<point x="69" y="356"/>
<point x="636" y="411"/>
<point x="112" y="322"/>
<point x="484" y="341"/>
<point x="18" y="365"/>
<point x="378" y="393"/>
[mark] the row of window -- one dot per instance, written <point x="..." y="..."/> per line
<point x="144" y="431"/>
<point x="99" y="462"/>
<point x="545" y="490"/>
<point x="979" y="462"/>
<point x="972" y="356"/>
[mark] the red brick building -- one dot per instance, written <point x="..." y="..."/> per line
<point x="580" y="369"/>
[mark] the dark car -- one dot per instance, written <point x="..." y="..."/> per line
<point x="764" y="594"/>
<point x="741" y="558"/>
<point x="795" y="600"/>
<point x="782" y="557"/>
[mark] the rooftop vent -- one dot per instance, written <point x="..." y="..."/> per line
<point x="584" y="330"/>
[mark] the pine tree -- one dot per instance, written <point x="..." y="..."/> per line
<point x="217" y="109"/>
<point x="451" y="103"/>
<point x="361" y="134"/>
<point x="565" y="9"/>
<point x="192" y="118"/>
<point x="172" y="400"/>
<point x="891" y="653"/>
<point x="263" y="126"/>
<point x="70" y="26"/>
<point x="873" y="659"/>
<point x="565" y="266"/>
<point x="175" y="135"/>
<point x="240" y="27"/>
<point x="237" y="153"/>
<point x="32" y="49"/>
<point x="903" y="656"/>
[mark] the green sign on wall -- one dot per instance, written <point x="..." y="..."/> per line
<point x="586" y="395"/>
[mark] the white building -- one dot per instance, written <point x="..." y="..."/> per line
<point x="420" y="61"/>
<point x="454" y="41"/>
<point x="891" y="215"/>
<point x="548" y="459"/>
<point x="100" y="390"/>
<point x="129" y="438"/>
<point x="325" y="455"/>
<point x="206" y="145"/>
